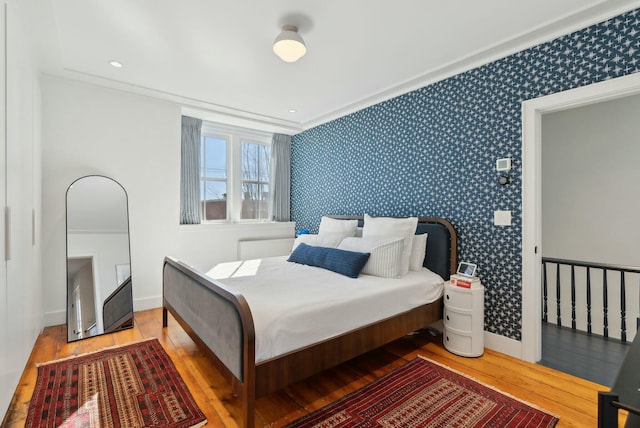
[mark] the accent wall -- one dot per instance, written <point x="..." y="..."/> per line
<point x="433" y="152"/>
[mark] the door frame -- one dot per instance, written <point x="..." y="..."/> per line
<point x="532" y="113"/>
<point x="96" y="285"/>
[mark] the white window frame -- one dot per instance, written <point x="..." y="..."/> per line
<point x="235" y="136"/>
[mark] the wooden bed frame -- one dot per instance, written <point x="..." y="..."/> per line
<point x="219" y="321"/>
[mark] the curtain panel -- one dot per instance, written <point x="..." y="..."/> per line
<point x="280" y="177"/>
<point x="190" y="171"/>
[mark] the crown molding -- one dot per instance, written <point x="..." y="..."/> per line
<point x="191" y="106"/>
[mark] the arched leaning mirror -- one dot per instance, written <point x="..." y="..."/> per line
<point x="99" y="287"/>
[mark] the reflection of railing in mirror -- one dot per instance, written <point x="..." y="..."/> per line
<point x="117" y="311"/>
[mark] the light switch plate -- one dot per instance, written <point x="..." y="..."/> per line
<point x="502" y="218"/>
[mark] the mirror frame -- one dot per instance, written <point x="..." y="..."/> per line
<point x="128" y="281"/>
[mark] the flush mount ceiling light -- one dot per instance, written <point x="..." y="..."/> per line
<point x="289" y="46"/>
<point x="115" y="64"/>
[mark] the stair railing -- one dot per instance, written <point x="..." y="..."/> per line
<point x="589" y="266"/>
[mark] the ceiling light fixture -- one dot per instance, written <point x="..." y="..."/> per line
<point x="289" y="46"/>
<point x="115" y="64"/>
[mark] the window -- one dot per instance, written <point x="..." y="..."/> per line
<point x="235" y="174"/>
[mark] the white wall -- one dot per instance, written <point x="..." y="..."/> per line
<point x="590" y="176"/>
<point x="590" y="203"/>
<point x="108" y="247"/>
<point x="135" y="140"/>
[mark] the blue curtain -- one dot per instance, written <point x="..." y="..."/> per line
<point x="190" y="171"/>
<point x="280" y="177"/>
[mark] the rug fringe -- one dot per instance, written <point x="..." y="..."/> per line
<point x="491" y="387"/>
<point x="95" y="352"/>
<point x="201" y="424"/>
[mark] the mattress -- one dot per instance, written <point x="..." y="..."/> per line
<point x="295" y="305"/>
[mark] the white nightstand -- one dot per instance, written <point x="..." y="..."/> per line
<point x="464" y="319"/>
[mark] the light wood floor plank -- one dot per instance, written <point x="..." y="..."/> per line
<point x="574" y="400"/>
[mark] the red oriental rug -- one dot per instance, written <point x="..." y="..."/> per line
<point x="135" y="385"/>
<point x="426" y="394"/>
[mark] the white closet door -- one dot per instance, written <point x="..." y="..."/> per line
<point x="6" y="389"/>
<point x="21" y="290"/>
<point x="19" y="189"/>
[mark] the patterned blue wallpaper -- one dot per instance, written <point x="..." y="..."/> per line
<point x="432" y="152"/>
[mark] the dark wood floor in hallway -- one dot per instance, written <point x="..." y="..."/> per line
<point x="589" y="357"/>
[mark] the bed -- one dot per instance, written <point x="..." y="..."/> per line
<point x="216" y="315"/>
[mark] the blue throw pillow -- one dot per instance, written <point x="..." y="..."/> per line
<point x="348" y="263"/>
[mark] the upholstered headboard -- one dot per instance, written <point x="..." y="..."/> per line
<point x="442" y="246"/>
<point x="442" y="243"/>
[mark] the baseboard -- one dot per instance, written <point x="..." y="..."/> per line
<point x="54" y="318"/>
<point x="147" y="303"/>
<point x="503" y="344"/>
<point x="60" y="317"/>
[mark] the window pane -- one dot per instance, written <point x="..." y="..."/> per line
<point x="255" y="201"/>
<point x="255" y="161"/>
<point x="214" y="158"/>
<point x="249" y="161"/>
<point x="214" y="196"/>
<point x="265" y="162"/>
<point x="255" y="181"/>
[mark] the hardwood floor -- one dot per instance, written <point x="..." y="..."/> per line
<point x="573" y="399"/>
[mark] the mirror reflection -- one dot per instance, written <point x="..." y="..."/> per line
<point x="99" y="293"/>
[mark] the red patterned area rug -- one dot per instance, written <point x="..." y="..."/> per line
<point x="426" y="394"/>
<point x="135" y="385"/>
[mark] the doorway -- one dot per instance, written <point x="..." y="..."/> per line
<point x="589" y="176"/>
<point x="82" y="318"/>
<point x="532" y="113"/>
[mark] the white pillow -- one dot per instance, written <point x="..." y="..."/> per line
<point x="307" y="238"/>
<point x="334" y="225"/>
<point x="332" y="231"/>
<point x="418" y="252"/>
<point x="329" y="240"/>
<point x="385" y="254"/>
<point x="393" y="227"/>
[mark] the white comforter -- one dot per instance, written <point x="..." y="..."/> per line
<point x="295" y="305"/>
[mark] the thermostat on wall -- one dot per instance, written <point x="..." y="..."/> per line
<point x="503" y="164"/>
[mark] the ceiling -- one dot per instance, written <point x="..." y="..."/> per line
<point x="216" y="55"/>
